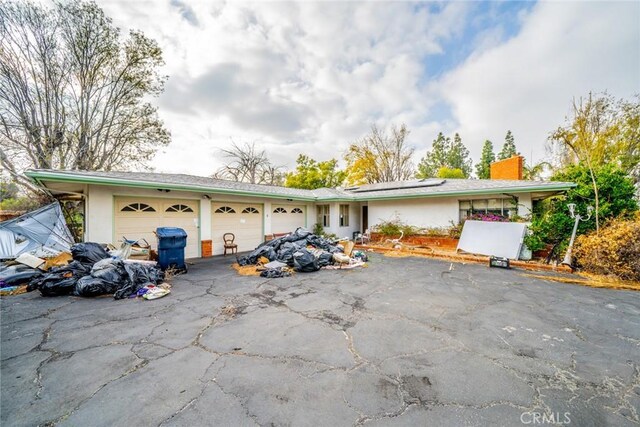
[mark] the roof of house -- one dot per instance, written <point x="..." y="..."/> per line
<point x="387" y="190"/>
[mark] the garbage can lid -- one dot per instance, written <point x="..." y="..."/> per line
<point x="170" y="232"/>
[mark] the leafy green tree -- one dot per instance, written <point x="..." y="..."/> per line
<point x="509" y="147"/>
<point x="600" y="132"/>
<point x="445" y="172"/>
<point x="435" y="158"/>
<point x="552" y="222"/>
<point x="483" y="167"/>
<point x="74" y="93"/>
<point x="311" y="174"/>
<point x="445" y="153"/>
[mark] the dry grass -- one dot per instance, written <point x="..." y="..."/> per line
<point x="398" y="254"/>
<point x="591" y="280"/>
<point x="229" y="310"/>
<point x="247" y="270"/>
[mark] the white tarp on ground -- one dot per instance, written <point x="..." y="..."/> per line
<point x="502" y="239"/>
<point x="42" y="232"/>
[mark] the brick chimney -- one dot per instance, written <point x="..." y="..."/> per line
<point x="508" y="168"/>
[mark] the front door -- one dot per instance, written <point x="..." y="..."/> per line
<point x="365" y="218"/>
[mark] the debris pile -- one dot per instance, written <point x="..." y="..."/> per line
<point x="303" y="252"/>
<point x="89" y="270"/>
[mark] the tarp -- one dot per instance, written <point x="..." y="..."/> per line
<point x="42" y="232"/>
<point x="502" y="239"/>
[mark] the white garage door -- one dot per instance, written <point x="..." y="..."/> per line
<point x="137" y="218"/>
<point x="243" y="220"/>
<point x="286" y="218"/>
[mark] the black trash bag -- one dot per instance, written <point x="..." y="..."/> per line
<point x="145" y="273"/>
<point x="88" y="252"/>
<point x="139" y="275"/>
<point x="274" y="243"/>
<point x="16" y="275"/>
<point x="304" y="261"/>
<point x="89" y="286"/>
<point x="262" y="251"/>
<point x="301" y="233"/>
<point x="325" y="258"/>
<point x="109" y="270"/>
<point x="59" y="280"/>
<point x="114" y="276"/>
<point x="322" y="243"/>
<point x="285" y="254"/>
<point x="274" y="273"/>
<point x="55" y="286"/>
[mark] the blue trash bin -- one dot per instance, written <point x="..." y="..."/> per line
<point x="171" y="244"/>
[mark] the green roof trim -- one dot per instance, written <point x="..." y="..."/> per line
<point x="38" y="176"/>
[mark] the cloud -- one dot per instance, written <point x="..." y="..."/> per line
<point x="186" y="11"/>
<point x="526" y="84"/>
<point x="310" y="78"/>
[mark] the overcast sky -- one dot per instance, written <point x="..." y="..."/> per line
<point x="311" y="77"/>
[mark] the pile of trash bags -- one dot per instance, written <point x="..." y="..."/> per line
<point x="94" y="271"/>
<point x="302" y="250"/>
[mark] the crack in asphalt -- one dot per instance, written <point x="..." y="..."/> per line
<point x="271" y="293"/>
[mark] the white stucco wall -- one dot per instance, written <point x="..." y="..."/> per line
<point x="100" y="209"/>
<point x="427" y="212"/>
<point x="354" y="219"/>
<point x="432" y="212"/>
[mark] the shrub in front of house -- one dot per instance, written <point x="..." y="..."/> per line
<point x="615" y="250"/>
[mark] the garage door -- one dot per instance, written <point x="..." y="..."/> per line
<point x="286" y="218"/>
<point x="138" y="218"/>
<point x="243" y="220"/>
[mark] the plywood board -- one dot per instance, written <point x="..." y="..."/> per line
<point x="503" y="239"/>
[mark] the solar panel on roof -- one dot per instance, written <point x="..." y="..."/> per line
<point x="399" y="185"/>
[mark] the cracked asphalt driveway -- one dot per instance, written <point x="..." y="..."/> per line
<point x="402" y="342"/>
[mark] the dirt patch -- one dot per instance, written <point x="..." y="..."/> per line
<point x="591" y="280"/>
<point x="398" y="254"/>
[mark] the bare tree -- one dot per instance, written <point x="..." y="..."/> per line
<point x="379" y="157"/>
<point x="72" y="91"/>
<point x="247" y="164"/>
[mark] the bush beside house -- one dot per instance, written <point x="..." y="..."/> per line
<point x="615" y="250"/>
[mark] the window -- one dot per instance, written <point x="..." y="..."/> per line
<point x="296" y="210"/>
<point x="179" y="208"/>
<point x="251" y="210"/>
<point x="323" y="215"/>
<point x="225" y="209"/>
<point x="344" y="215"/>
<point x="279" y="210"/>
<point x="504" y="207"/>
<point x="137" y="207"/>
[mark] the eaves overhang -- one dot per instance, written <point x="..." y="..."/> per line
<point x="39" y="176"/>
